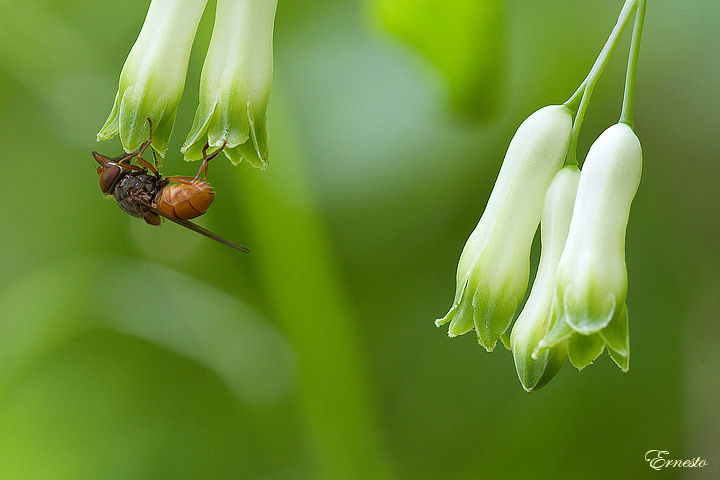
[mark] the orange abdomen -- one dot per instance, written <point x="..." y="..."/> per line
<point x="185" y="200"/>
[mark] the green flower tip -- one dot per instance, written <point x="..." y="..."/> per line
<point x="477" y="307"/>
<point x="460" y="315"/>
<point x="534" y="371"/>
<point x="590" y="311"/>
<point x="583" y="348"/>
<point x="245" y="139"/>
<point x="130" y="121"/>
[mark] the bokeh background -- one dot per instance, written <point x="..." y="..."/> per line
<point x="128" y="351"/>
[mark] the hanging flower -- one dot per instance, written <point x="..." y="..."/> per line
<point x="153" y="77"/>
<point x="235" y="83"/>
<point x="589" y="308"/>
<point x="493" y="270"/>
<point x="532" y="323"/>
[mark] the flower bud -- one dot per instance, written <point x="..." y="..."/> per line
<point x="493" y="270"/>
<point x="534" y="318"/>
<point x="153" y="77"/>
<point x="235" y="83"/>
<point x="591" y="283"/>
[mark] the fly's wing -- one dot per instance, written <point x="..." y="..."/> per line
<point x="202" y="231"/>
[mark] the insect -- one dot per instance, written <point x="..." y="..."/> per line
<point x="143" y="192"/>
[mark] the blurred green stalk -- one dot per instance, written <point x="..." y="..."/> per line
<point x="291" y="246"/>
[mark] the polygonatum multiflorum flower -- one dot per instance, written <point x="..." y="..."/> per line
<point x="153" y="77"/>
<point x="235" y="81"/>
<point x="532" y="323"/>
<point x="589" y="308"/>
<point x="493" y="270"/>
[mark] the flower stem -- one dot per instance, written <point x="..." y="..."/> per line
<point x="573" y="101"/>
<point x="588" y="84"/>
<point x="627" y="109"/>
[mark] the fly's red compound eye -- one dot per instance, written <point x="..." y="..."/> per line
<point x="108" y="177"/>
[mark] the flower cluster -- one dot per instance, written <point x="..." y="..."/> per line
<point x="234" y="86"/>
<point x="576" y="306"/>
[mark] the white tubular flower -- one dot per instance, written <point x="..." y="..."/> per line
<point x="534" y="318"/>
<point x="591" y="283"/>
<point x="235" y="83"/>
<point x="153" y="77"/>
<point x="493" y="271"/>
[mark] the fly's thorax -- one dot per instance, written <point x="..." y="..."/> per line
<point x="134" y="192"/>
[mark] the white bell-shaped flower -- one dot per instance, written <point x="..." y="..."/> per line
<point x="591" y="282"/>
<point x="235" y="83"/>
<point x="153" y="77"/>
<point x="493" y="270"/>
<point x="532" y="323"/>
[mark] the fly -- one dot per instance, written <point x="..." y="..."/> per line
<point x="143" y="192"/>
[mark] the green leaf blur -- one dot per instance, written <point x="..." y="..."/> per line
<point x="462" y="39"/>
<point x="134" y="352"/>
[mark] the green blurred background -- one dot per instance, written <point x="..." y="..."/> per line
<point x="128" y="351"/>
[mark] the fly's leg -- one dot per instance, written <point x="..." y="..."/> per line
<point x="181" y="179"/>
<point x="207" y="158"/>
<point x="149" y="140"/>
<point x="155" y="159"/>
<point x="126" y="159"/>
<point x="121" y="162"/>
<point x="148" y="166"/>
